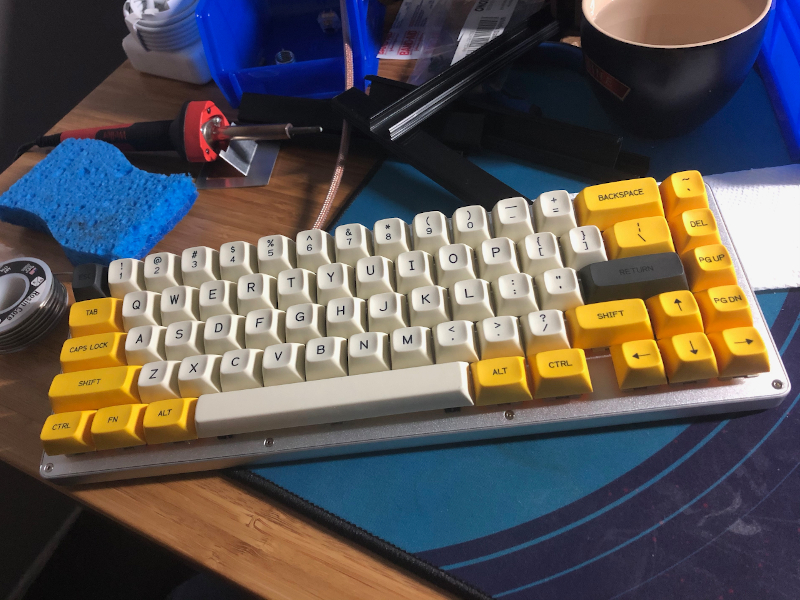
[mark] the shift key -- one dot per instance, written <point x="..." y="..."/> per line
<point x="94" y="389"/>
<point x="633" y="277"/>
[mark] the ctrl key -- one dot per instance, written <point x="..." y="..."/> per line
<point x="68" y="433"/>
<point x="170" y="421"/>
<point x="560" y="373"/>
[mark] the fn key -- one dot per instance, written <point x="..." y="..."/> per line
<point x="633" y="277"/>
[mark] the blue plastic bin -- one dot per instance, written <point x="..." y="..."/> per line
<point x="242" y="37"/>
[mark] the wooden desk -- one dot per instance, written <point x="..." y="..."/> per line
<point x="257" y="544"/>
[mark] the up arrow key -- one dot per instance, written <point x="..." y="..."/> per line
<point x="678" y="302"/>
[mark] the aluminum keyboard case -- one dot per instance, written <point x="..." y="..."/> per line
<point x="607" y="405"/>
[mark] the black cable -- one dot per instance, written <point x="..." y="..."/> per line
<point x="43" y="141"/>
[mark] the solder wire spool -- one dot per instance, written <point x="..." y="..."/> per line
<point x="32" y="302"/>
<point x="164" y="25"/>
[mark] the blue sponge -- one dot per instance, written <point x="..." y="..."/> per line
<point x="96" y="204"/>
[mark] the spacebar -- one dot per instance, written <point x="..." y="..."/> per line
<point x="332" y="400"/>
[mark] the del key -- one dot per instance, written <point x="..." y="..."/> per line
<point x="633" y="277"/>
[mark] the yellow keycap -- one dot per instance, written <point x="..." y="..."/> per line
<point x="683" y="191"/>
<point x="560" y="373"/>
<point x="68" y="433"/>
<point x="694" y="228"/>
<point x="673" y="313"/>
<point x="740" y="351"/>
<point x="101" y="315"/>
<point x="500" y="380"/>
<point x="724" y="307"/>
<point x="119" y="426"/>
<point x="608" y="203"/>
<point x="170" y="421"/>
<point x="649" y="235"/>
<point x="608" y="323"/>
<point x="688" y="357"/>
<point x="93" y="352"/>
<point x="708" y="266"/>
<point x="638" y="364"/>
<point x="97" y="388"/>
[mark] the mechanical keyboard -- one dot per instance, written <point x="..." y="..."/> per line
<point x="623" y="303"/>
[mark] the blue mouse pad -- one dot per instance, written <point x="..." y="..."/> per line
<point x="706" y="508"/>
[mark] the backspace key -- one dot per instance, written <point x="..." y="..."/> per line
<point x="633" y="277"/>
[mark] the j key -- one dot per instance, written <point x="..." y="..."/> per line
<point x="633" y="277"/>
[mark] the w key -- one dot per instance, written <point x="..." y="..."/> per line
<point x="633" y="277"/>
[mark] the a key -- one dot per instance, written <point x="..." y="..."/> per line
<point x="125" y="275"/>
<point x="724" y="307"/>
<point x="583" y="246"/>
<point x="314" y="249"/>
<point x="223" y="333"/>
<point x="688" y="357"/>
<point x="93" y="352"/>
<point x="141" y="308"/>
<point x="499" y="337"/>
<point x="198" y="265"/>
<point x="638" y="364"/>
<point x="68" y="433"/>
<point x="430" y="231"/>
<point x="513" y="295"/>
<point x="500" y="380"/>
<point x="708" y="266"/>
<point x="683" y="191"/>
<point x="158" y="380"/>
<point x="241" y="370"/>
<point x="538" y="253"/>
<point x="183" y="339"/>
<point x="414" y="269"/>
<point x="199" y="375"/>
<point x="387" y="312"/>
<point x="353" y="242"/>
<point x="650" y="235"/>
<point x="368" y="352"/>
<point x="162" y="270"/>
<point x="296" y="286"/>
<point x="145" y="344"/>
<point x="428" y="306"/>
<point x="673" y="313"/>
<point x="217" y="298"/>
<point x="471" y="226"/>
<point x="544" y="330"/>
<point x="345" y="317"/>
<point x="634" y="277"/>
<point x="558" y="289"/>
<point x="326" y="358"/>
<point x="276" y="253"/>
<point x="454" y="263"/>
<point x="608" y="203"/>
<point x="553" y="213"/>
<point x="411" y="347"/>
<point x="454" y="341"/>
<point x="512" y="219"/>
<point x="608" y="323"/>
<point x="284" y="363"/>
<point x="497" y="257"/>
<point x="170" y="421"/>
<point x="304" y="322"/>
<point x="740" y="352"/>
<point x="336" y="280"/>
<point x="237" y="259"/>
<point x="558" y="373"/>
<point x="119" y="427"/>
<point x="471" y="300"/>
<point x="374" y="275"/>
<point x="264" y="328"/>
<point x="101" y="315"/>
<point x="93" y="389"/>
<point x="694" y="228"/>
<point x="391" y="238"/>
<point x="179" y="303"/>
<point x="256" y="292"/>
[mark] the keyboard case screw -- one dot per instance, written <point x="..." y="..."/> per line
<point x="268" y="442"/>
<point x="509" y="414"/>
<point x="48" y="467"/>
<point x="777" y="384"/>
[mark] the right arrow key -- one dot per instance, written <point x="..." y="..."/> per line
<point x="740" y="352"/>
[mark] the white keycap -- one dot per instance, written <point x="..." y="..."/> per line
<point x="387" y="312"/>
<point x="264" y="328"/>
<point x="428" y="306"/>
<point x="304" y="322"/>
<point x="558" y="289"/>
<point x="497" y="257"/>
<point x="368" y="353"/>
<point x="179" y="303"/>
<point x="430" y="231"/>
<point x="374" y="275"/>
<point x="158" y="380"/>
<point x="162" y="270"/>
<point x="314" y="249"/>
<point x="125" y="275"/>
<point x="499" y="337"/>
<point x="241" y="370"/>
<point x="237" y="259"/>
<point x="544" y="330"/>
<point x="141" y="308"/>
<point x="454" y="263"/>
<point x="217" y="298"/>
<point x="345" y="317"/>
<point x="538" y="253"/>
<point x="326" y="358"/>
<point x="296" y="286"/>
<point x="184" y="339"/>
<point x="224" y="333"/>
<point x="414" y="269"/>
<point x="284" y="363"/>
<point x="199" y="375"/>
<point x="471" y="226"/>
<point x="145" y="344"/>
<point x="553" y="212"/>
<point x="513" y="295"/>
<point x="390" y="238"/>
<point x="198" y="265"/>
<point x="411" y="347"/>
<point x="276" y="253"/>
<point x="336" y="280"/>
<point x="353" y="242"/>
<point x="583" y="246"/>
<point x="256" y="292"/>
<point x="471" y="300"/>
<point x="511" y="218"/>
<point x="454" y="341"/>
